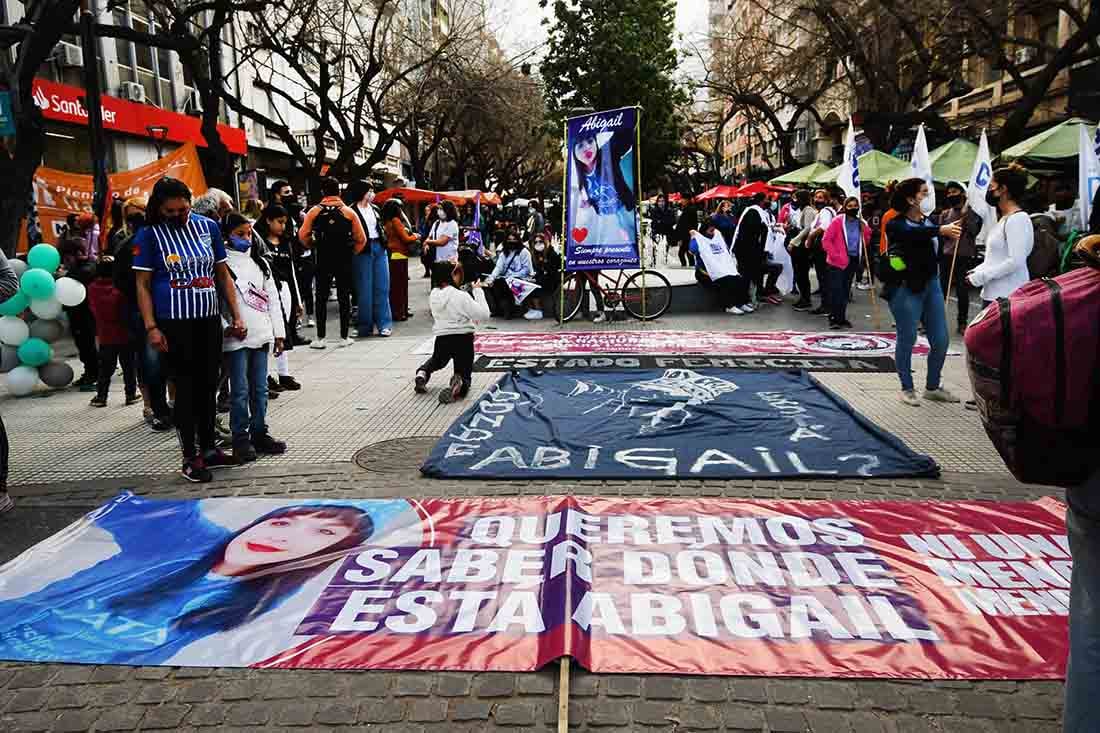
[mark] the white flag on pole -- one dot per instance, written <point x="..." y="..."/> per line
<point x="980" y="176"/>
<point x="1088" y="176"/>
<point x="921" y="165"/>
<point x="848" y="180"/>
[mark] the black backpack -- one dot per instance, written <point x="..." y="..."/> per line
<point x="332" y="231"/>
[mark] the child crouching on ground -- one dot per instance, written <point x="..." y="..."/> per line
<point x="108" y="306"/>
<point x="247" y="350"/>
<point x="455" y="309"/>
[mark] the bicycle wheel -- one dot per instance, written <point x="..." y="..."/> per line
<point x="647" y="295"/>
<point x="570" y="297"/>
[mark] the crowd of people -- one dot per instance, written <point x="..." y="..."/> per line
<point x="893" y="239"/>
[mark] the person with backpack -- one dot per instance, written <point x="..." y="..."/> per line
<point x="912" y="288"/>
<point x="333" y="231"/>
<point x="1010" y="242"/>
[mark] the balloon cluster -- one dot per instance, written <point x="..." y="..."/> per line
<point x="26" y="354"/>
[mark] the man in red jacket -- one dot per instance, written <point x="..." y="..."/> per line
<point x="109" y="307"/>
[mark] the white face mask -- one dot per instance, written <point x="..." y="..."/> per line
<point x="927" y="206"/>
<point x="441" y="214"/>
<point x="540" y="247"/>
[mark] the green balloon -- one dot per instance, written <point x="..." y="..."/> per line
<point x="37" y="284"/>
<point x="35" y="352"/>
<point x="44" y="256"/>
<point x="14" y="305"/>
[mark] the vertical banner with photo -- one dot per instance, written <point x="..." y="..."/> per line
<point x="601" y="177"/>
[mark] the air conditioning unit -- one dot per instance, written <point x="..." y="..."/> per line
<point x="132" y="91"/>
<point x="1025" y="55"/>
<point x="70" y="55"/>
<point x="192" y="105"/>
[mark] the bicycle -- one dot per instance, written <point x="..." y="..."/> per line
<point x="645" y="295"/>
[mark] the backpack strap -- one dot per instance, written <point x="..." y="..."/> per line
<point x="1059" y="347"/>
<point x="1006" y="350"/>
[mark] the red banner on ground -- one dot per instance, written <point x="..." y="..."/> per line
<point x="967" y="590"/>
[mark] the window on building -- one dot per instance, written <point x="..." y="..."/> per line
<point x="141" y="63"/>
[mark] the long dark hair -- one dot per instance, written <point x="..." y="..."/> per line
<point x="449" y="210"/>
<point x="355" y="192"/>
<point x="391" y="210"/>
<point x="903" y="191"/>
<point x="618" y="150"/>
<point x="164" y="189"/>
<point x="256" y="593"/>
<point x="270" y="213"/>
<point x="1014" y="178"/>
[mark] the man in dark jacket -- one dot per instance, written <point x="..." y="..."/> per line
<point x="750" y="241"/>
<point x="966" y="247"/>
<point x="688" y="222"/>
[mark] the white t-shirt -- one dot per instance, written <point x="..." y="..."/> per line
<point x="1006" y="251"/>
<point x="448" y="251"/>
<point x="824" y="218"/>
<point x="716" y="257"/>
<point x="371" y="219"/>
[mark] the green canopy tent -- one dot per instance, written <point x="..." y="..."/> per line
<point x="1055" y="147"/>
<point x="803" y="175"/>
<point x="875" y="168"/>
<point x="953" y="161"/>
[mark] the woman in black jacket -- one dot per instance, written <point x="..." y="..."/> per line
<point x="913" y="288"/>
<point x="689" y="222"/>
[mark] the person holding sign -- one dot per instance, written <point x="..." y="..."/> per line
<point x="715" y="264"/>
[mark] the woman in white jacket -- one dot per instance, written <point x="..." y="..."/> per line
<point x="247" y="349"/>
<point x="455" y="310"/>
<point x="1009" y="244"/>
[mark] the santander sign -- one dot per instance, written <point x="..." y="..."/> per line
<point x="68" y="107"/>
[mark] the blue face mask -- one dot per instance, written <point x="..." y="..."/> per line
<point x="241" y="244"/>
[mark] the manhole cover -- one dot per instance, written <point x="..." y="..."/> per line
<point x="399" y="455"/>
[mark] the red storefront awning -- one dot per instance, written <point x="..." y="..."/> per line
<point x="66" y="104"/>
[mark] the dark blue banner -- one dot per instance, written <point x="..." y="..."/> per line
<point x="601" y="177"/>
<point x="685" y="423"/>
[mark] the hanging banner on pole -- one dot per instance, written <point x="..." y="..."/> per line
<point x="601" y="228"/>
<point x="884" y="589"/>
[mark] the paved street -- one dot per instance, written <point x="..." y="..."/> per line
<point x="68" y="457"/>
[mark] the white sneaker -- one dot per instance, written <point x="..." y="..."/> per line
<point x="909" y="397"/>
<point x="311" y="322"/>
<point x="386" y="332"/>
<point x="533" y="315"/>
<point x="344" y="343"/>
<point x="599" y="317"/>
<point x="748" y="308"/>
<point x="317" y="344"/>
<point x="863" y="286"/>
<point x="940" y="395"/>
<point x="735" y="311"/>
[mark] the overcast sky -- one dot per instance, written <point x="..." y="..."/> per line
<point x="518" y="23"/>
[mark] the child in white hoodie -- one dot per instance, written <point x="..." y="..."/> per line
<point x="454" y="310"/>
<point x="247" y="350"/>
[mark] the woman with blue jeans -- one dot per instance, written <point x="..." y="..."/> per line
<point x="913" y="289"/>
<point x="372" y="265"/>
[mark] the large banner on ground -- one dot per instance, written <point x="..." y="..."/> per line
<point x="601" y="182"/>
<point x="686" y="423"/>
<point x="670" y="343"/>
<point x="705" y="586"/>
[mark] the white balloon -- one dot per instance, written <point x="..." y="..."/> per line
<point x="69" y="292"/>
<point x="46" y="308"/>
<point x="13" y="331"/>
<point x="22" y="380"/>
<point x="18" y="266"/>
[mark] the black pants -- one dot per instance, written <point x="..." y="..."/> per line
<point x="339" y="269"/>
<point x="839" y="285"/>
<point x="194" y="360"/>
<point x="460" y="348"/>
<point x="962" y="288"/>
<point x="305" y="270"/>
<point x="502" y="298"/>
<point x="822" y="269"/>
<point x="750" y="265"/>
<point x="732" y="290"/>
<point x="770" y="277"/>
<point x="82" y="325"/>
<point x="800" y="261"/>
<point x="3" y="458"/>
<point x="687" y="259"/>
<point x="109" y="358"/>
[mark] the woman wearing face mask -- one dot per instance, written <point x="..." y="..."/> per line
<point x="513" y="263"/>
<point x="912" y="288"/>
<point x="180" y="261"/>
<point x="547" y="264"/>
<point x="247" y="352"/>
<point x="844" y="241"/>
<point x="443" y="238"/>
<point x="536" y="222"/>
<point x="725" y="222"/>
<point x="1010" y="242"/>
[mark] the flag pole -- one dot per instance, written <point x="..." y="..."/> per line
<point x="564" y="222"/>
<point x="637" y="203"/>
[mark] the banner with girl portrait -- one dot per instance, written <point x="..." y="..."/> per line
<point x="601" y="183"/>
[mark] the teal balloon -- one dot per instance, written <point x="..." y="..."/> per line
<point x="35" y="352"/>
<point x="14" y="305"/>
<point x="44" y="256"/>
<point x="37" y="284"/>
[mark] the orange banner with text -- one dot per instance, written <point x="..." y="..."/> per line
<point x="58" y="194"/>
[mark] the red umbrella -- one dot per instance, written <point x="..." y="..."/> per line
<point x="718" y="192"/>
<point x="751" y="189"/>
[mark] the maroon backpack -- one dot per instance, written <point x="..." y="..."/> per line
<point x="1034" y="362"/>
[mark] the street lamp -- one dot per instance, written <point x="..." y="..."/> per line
<point x="159" y="133"/>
